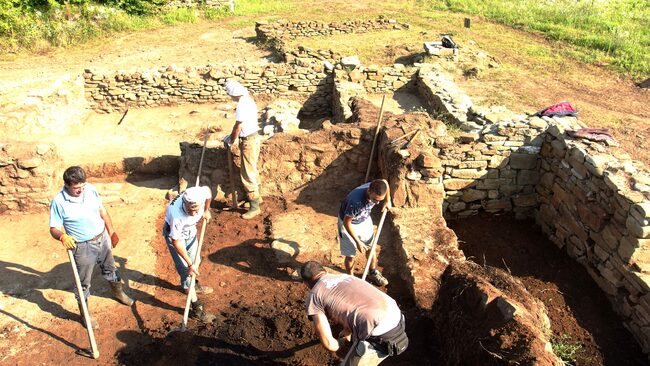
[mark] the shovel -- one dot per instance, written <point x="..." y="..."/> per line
<point x="196" y="261"/>
<point x="84" y="309"/>
<point x="374" y="245"/>
<point x="197" y="255"/>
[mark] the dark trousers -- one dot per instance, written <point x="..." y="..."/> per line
<point x="95" y="251"/>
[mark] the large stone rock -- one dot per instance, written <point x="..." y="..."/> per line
<point x="523" y="161"/>
<point x="593" y="216"/>
<point x="458" y="184"/>
<point x="283" y="114"/>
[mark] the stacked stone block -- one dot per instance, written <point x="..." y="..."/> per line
<point x="27" y="176"/>
<point x="170" y="85"/>
<point x="286" y="30"/>
<point x="597" y="206"/>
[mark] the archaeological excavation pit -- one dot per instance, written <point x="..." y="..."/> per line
<point x="494" y="290"/>
<point x="508" y="237"/>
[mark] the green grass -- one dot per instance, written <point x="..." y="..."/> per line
<point x="603" y="32"/>
<point x="566" y="349"/>
<point x="180" y="15"/>
<point x="615" y="32"/>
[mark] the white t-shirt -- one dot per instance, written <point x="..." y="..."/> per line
<point x="182" y="225"/>
<point x="246" y="113"/>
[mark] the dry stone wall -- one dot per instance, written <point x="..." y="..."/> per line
<point x="171" y="85"/>
<point x="334" y="157"/>
<point x="27" y="176"/>
<point x="588" y="198"/>
<point x="597" y="206"/>
<point x="285" y="30"/>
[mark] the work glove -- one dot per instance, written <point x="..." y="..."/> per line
<point x="114" y="239"/>
<point x="226" y="142"/>
<point x="68" y="242"/>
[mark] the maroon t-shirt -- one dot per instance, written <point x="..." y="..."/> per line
<point x="345" y="299"/>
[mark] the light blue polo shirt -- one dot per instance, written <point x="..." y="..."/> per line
<point x="79" y="216"/>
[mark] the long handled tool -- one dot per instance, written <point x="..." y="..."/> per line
<point x="403" y="136"/>
<point x="205" y="142"/>
<point x="374" y="141"/>
<point x="410" y="141"/>
<point x="196" y="261"/>
<point x="84" y="307"/>
<point x="232" y="180"/>
<point x="374" y="245"/>
<point x="197" y="255"/>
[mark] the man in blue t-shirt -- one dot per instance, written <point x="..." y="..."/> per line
<point x="355" y="228"/>
<point x="81" y="222"/>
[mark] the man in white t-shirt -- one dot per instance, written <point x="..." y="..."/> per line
<point x="181" y="217"/>
<point x="246" y="129"/>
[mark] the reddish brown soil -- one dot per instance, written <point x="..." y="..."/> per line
<point x="260" y="309"/>
<point x="575" y="304"/>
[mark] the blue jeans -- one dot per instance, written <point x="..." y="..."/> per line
<point x="181" y="267"/>
<point x="91" y="252"/>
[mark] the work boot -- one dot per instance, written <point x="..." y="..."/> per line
<point x="376" y="278"/>
<point x="198" y="312"/>
<point x="93" y="322"/>
<point x="253" y="211"/>
<point x="118" y="292"/>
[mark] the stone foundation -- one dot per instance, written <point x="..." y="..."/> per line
<point x="28" y="176"/>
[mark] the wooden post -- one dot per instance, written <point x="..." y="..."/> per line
<point x="374" y="141"/>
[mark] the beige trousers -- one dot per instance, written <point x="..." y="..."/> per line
<point x="250" y="152"/>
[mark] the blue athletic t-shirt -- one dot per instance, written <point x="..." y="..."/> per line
<point x="79" y="216"/>
<point x="357" y="205"/>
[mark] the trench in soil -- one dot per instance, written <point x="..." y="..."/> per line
<point x="579" y="311"/>
<point x="260" y="307"/>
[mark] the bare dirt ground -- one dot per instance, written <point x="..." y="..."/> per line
<point x="576" y="306"/>
<point x="261" y="320"/>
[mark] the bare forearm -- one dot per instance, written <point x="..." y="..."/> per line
<point x="347" y="224"/>
<point x="182" y="252"/>
<point x="236" y="129"/>
<point x="108" y="223"/>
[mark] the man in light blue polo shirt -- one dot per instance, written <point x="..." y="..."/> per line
<point x="81" y="222"/>
<point x="355" y="228"/>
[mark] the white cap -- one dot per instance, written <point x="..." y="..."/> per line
<point x="235" y="89"/>
<point x="193" y="196"/>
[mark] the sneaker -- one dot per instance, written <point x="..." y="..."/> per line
<point x="197" y="312"/>
<point x="202" y="289"/>
<point x="376" y="278"/>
